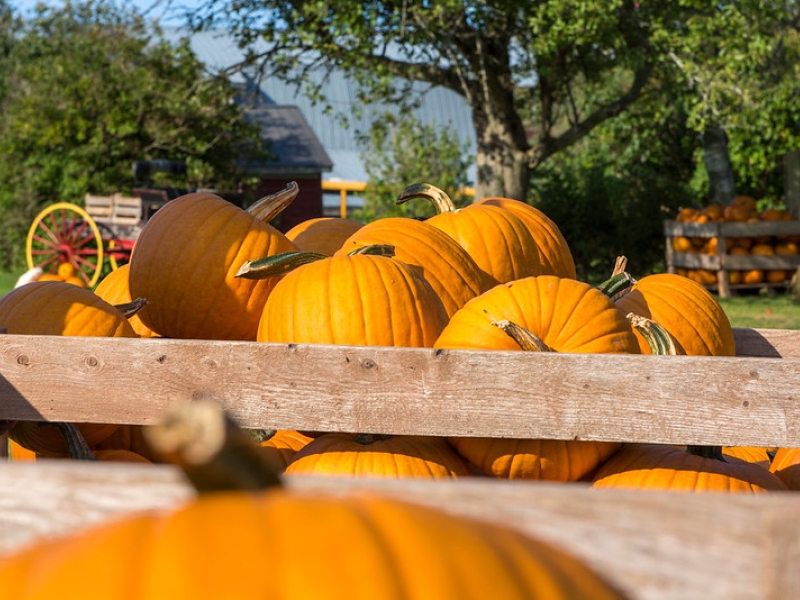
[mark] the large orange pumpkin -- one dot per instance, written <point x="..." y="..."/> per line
<point x="348" y="454"/>
<point x="555" y="255"/>
<point x="294" y="546"/>
<point x="786" y="466"/>
<point x="444" y="262"/>
<point x="498" y="241"/>
<point x="567" y="315"/>
<point x="678" y="468"/>
<point x="185" y="260"/>
<point x="323" y="234"/>
<point x="692" y="316"/>
<point x="360" y="300"/>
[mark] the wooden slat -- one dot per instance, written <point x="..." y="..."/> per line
<point x="734" y="401"/>
<point x="653" y="545"/>
<point x="127" y="210"/>
<point x="100" y="208"/>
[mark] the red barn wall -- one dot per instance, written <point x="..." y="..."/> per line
<point x="307" y="205"/>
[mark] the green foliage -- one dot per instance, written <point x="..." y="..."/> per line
<point x="610" y="194"/>
<point x="400" y="151"/>
<point x="87" y="89"/>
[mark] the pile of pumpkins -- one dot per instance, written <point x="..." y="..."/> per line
<point x="742" y="209"/>
<point x="495" y="275"/>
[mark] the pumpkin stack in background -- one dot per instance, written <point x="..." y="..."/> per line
<point x="741" y="210"/>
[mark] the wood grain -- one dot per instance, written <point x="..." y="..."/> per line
<point x="732" y="401"/>
<point x="653" y="545"/>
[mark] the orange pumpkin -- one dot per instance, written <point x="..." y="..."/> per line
<point x="360" y="300"/>
<point x="786" y="466"/>
<point x="324" y="234"/>
<point x="445" y="264"/>
<point x="555" y="255"/>
<point x="498" y="241"/>
<point x="567" y="316"/>
<point x="185" y="260"/>
<point x="346" y="454"/>
<point x="692" y="316"/>
<point x="114" y="289"/>
<point x="298" y="546"/>
<point x="283" y="445"/>
<point x="677" y="468"/>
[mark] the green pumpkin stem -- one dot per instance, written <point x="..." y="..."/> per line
<point x="128" y="309"/>
<point x="77" y="448"/>
<point x="714" y="452"/>
<point x="214" y="453"/>
<point x="658" y="338"/>
<point x="526" y="339"/>
<point x="437" y="197"/>
<point x="373" y="250"/>
<point x="616" y="284"/>
<point x="269" y="207"/>
<point x="277" y="265"/>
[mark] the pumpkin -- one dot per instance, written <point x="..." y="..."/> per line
<point x="555" y="255"/>
<point x="298" y="546"/>
<point x="324" y="234"/>
<point x="566" y="315"/>
<point x="130" y="438"/>
<point x="185" y="260"/>
<point x="114" y="289"/>
<point x="498" y="241"/>
<point x="444" y="262"/>
<point x="786" y="466"/>
<point x="680" y="468"/>
<point x="119" y="455"/>
<point x="756" y="455"/>
<point x="59" y="308"/>
<point x="348" y="454"/>
<point x="692" y="316"/>
<point x="283" y="445"/>
<point x="361" y="300"/>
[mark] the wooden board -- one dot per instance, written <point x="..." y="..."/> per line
<point x="732" y="401"/>
<point x="653" y="545"/>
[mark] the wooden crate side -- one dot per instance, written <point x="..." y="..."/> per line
<point x="653" y="545"/>
<point x="732" y="401"/>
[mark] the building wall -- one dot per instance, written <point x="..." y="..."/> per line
<point x="307" y="204"/>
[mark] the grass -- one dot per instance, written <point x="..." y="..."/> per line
<point x="777" y="310"/>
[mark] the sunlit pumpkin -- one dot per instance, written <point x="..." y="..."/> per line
<point x="323" y="234"/>
<point x="114" y="289"/>
<point x="185" y="260"/>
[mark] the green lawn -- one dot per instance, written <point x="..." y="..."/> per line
<point x="764" y="311"/>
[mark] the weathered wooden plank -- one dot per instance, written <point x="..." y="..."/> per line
<point x="654" y="545"/>
<point x="730" y="229"/>
<point x="736" y="401"/>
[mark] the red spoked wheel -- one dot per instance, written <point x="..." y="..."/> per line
<point x="61" y="233"/>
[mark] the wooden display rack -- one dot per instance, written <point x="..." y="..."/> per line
<point x="723" y="263"/>
<point x="653" y="545"/>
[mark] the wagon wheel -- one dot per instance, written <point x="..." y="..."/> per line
<point x="64" y="232"/>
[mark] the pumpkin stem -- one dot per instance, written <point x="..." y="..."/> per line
<point x="373" y="250"/>
<point x="714" y="452"/>
<point x="128" y="309"/>
<point x="526" y="339"/>
<point x="261" y="435"/>
<point x="213" y="451"/>
<point x="366" y="439"/>
<point x="658" y="338"/>
<point x="277" y="265"/>
<point x="616" y="284"/>
<point x="77" y="448"/>
<point x="269" y="207"/>
<point x="438" y="197"/>
<point x="620" y="265"/>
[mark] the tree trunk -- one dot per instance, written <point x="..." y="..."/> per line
<point x="722" y="188"/>
<point x="501" y="161"/>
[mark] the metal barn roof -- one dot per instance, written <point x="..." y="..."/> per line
<point x="439" y="106"/>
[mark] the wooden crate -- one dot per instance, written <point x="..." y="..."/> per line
<point x="651" y="544"/>
<point x="723" y="263"/>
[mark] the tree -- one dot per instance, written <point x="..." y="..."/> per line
<point x="89" y="88"/>
<point x="538" y="75"/>
<point x="400" y="151"/>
